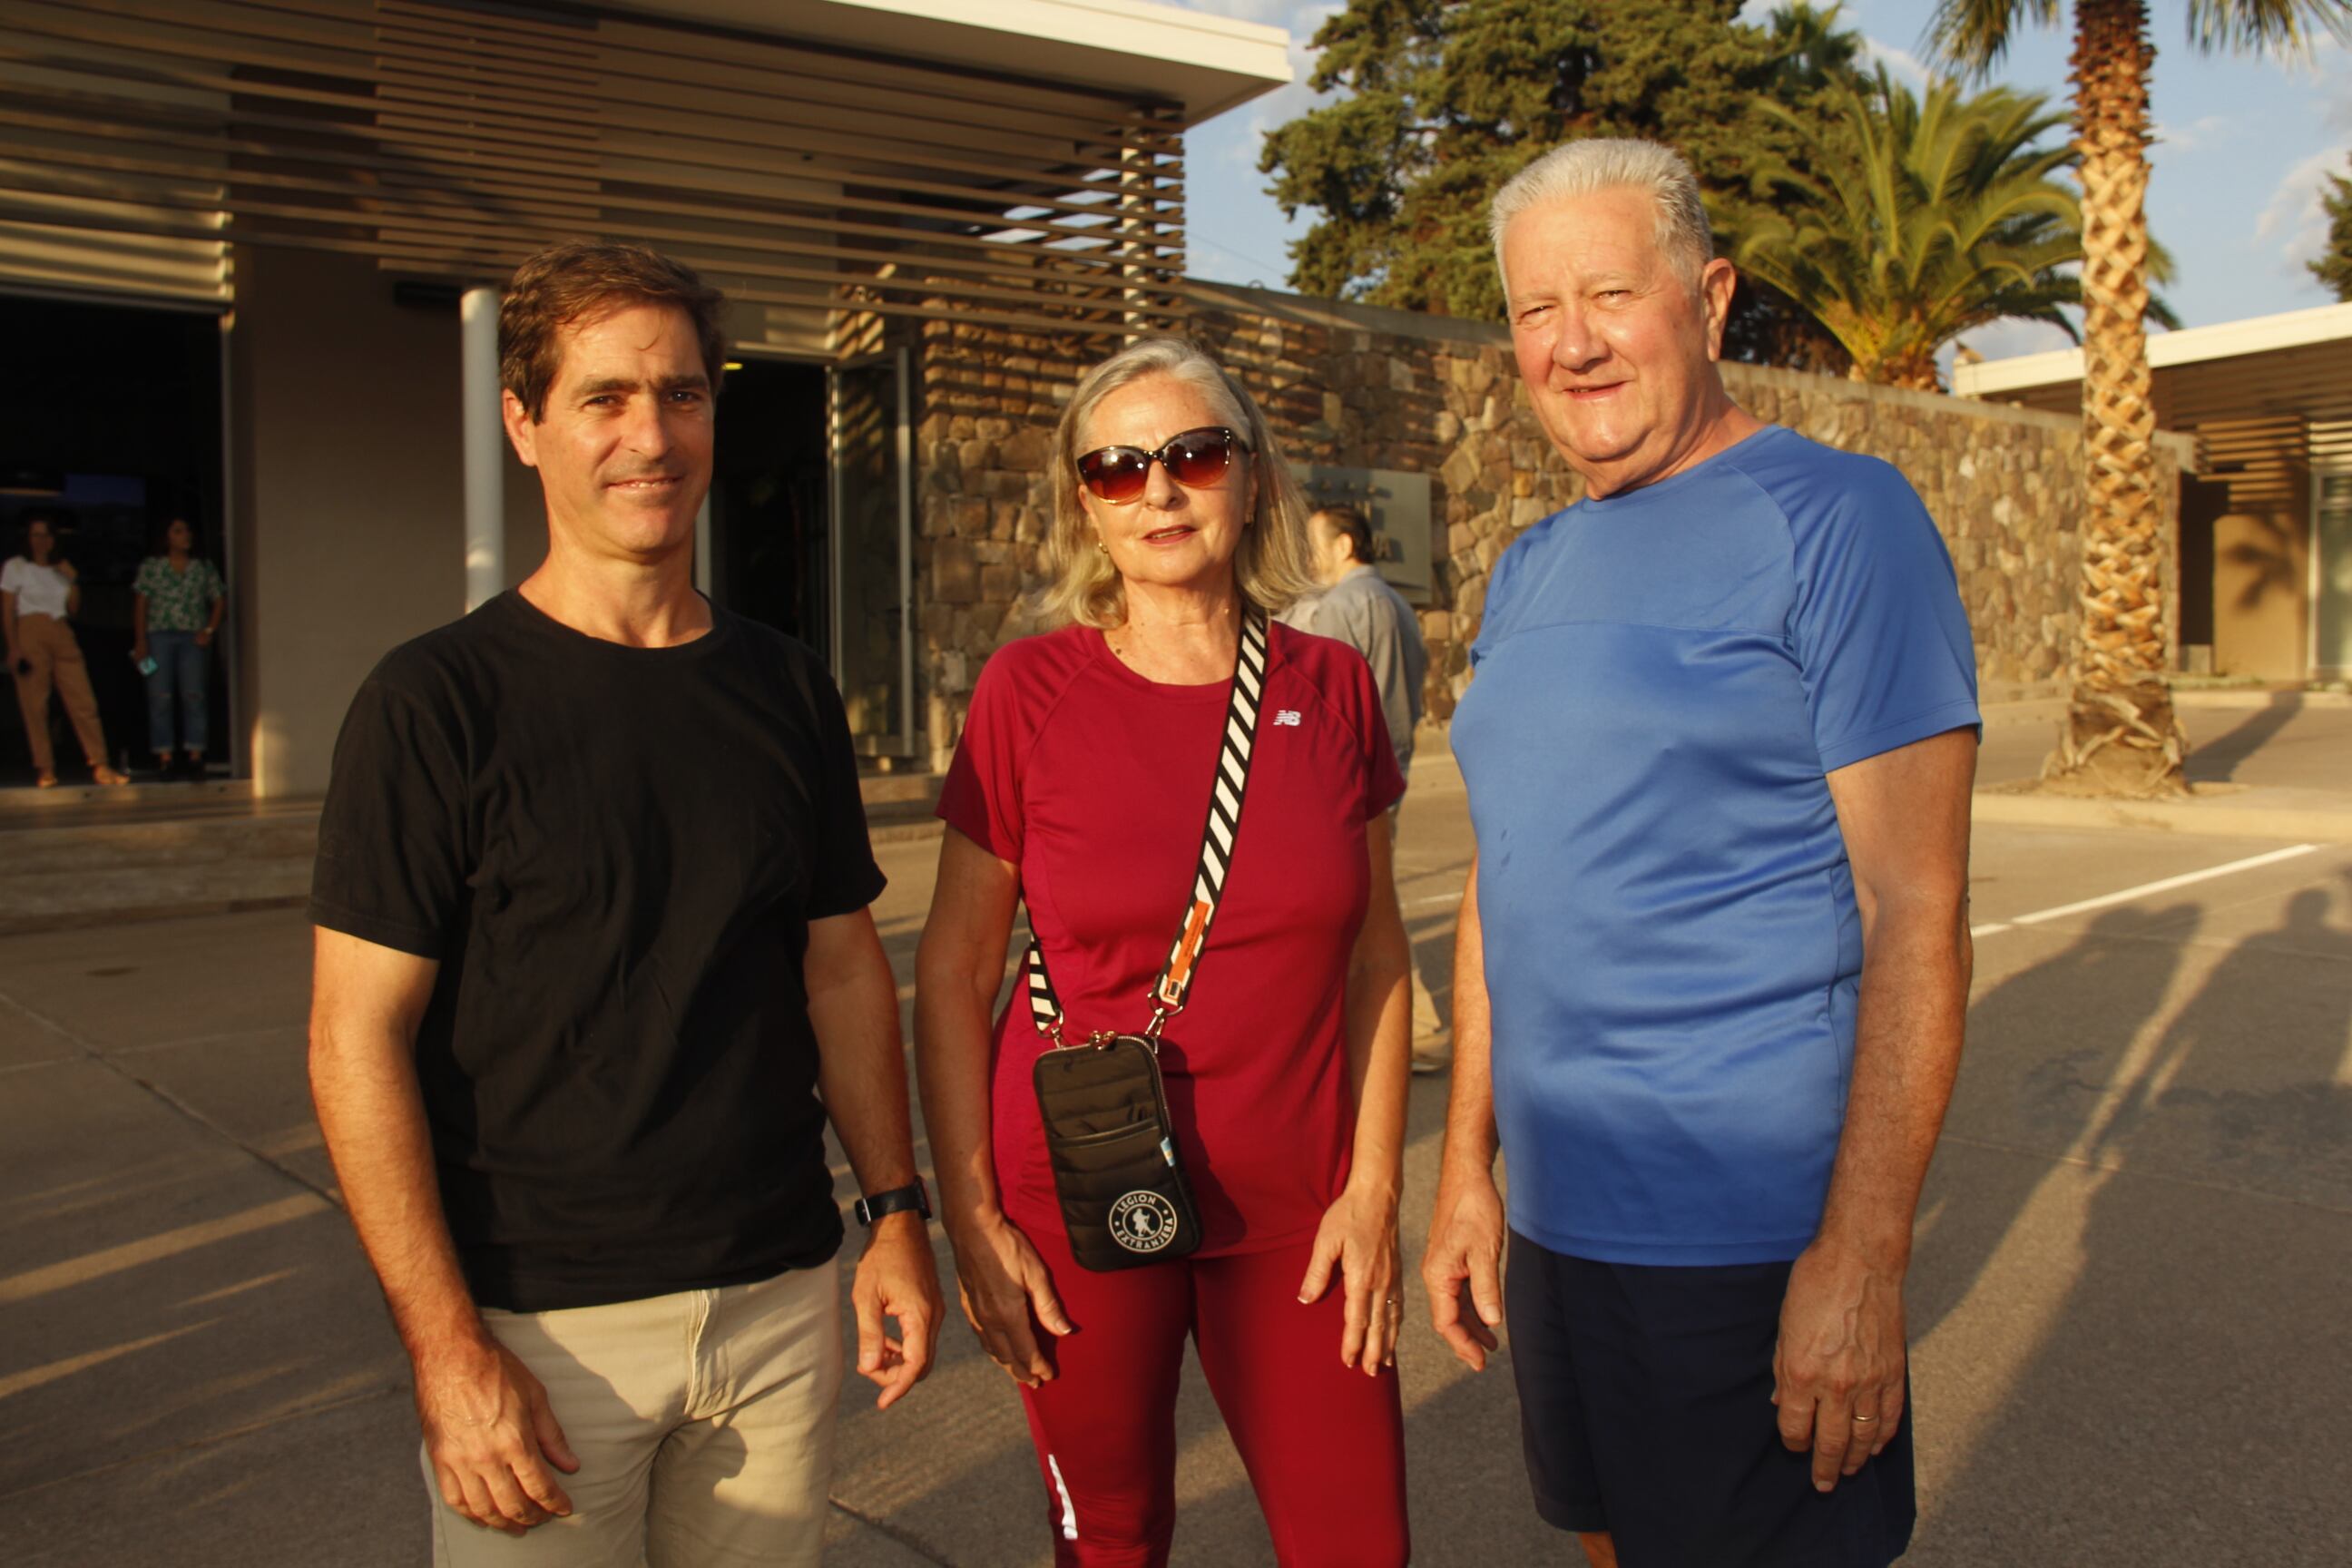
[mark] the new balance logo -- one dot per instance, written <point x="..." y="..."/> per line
<point x="1286" y="716"/>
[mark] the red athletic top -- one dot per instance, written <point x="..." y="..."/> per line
<point x="1095" y="781"/>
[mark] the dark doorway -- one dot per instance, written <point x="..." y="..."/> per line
<point x="771" y="557"/>
<point x="2203" y="501"/>
<point x="110" y="427"/>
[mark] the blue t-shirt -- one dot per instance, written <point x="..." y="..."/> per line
<point x="1673" y="948"/>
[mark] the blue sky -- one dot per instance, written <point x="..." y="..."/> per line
<point x="2243" y="144"/>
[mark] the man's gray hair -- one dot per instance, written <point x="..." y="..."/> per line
<point x="1600" y="163"/>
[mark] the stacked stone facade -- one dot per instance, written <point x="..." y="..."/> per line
<point x="1361" y="387"/>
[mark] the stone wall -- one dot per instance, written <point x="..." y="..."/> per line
<point x="1358" y="387"/>
<point x="985" y="404"/>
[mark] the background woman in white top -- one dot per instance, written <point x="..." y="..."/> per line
<point x="37" y="592"/>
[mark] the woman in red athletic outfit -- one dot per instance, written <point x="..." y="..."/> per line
<point x="1079" y="788"/>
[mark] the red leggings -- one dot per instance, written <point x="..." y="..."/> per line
<point x="1323" y="1442"/>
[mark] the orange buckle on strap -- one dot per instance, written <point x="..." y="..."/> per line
<point x="1171" y="989"/>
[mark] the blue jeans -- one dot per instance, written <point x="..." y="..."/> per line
<point x="179" y="666"/>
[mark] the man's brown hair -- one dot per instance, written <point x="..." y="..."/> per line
<point x="585" y="280"/>
<point x="1353" y="526"/>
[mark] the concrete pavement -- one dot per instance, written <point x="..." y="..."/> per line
<point x="2263" y="763"/>
<point x="2130" y="1343"/>
<point x="2260" y="763"/>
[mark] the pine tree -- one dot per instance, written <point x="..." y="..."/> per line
<point x="1442" y="100"/>
<point x="2334" y="267"/>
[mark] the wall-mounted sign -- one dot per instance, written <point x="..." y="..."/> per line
<point x="1396" y="504"/>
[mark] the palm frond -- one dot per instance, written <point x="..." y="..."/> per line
<point x="1971" y="35"/>
<point x="2280" y="28"/>
<point x="1902" y="220"/>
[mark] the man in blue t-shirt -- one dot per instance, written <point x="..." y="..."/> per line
<point x="1713" y="959"/>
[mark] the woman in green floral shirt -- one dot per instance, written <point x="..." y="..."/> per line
<point x="178" y="609"/>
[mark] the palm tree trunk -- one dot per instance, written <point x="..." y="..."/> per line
<point x="1913" y="372"/>
<point x="2121" y="734"/>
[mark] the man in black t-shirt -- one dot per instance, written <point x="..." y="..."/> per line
<point x="595" y="966"/>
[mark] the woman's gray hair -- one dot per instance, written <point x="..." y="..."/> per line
<point x="1272" y="568"/>
<point x="1600" y="163"/>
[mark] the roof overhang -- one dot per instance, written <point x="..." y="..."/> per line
<point x="2190" y="345"/>
<point x="1204" y="64"/>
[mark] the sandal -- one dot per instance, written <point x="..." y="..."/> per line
<point x="103" y="774"/>
<point x="45" y="781"/>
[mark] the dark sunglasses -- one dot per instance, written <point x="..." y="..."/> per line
<point x="1193" y="459"/>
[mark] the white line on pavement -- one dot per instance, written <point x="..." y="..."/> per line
<point x="2166" y="886"/>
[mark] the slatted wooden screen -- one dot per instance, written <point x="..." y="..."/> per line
<point x="2259" y="459"/>
<point x="450" y="139"/>
<point x="2260" y="419"/>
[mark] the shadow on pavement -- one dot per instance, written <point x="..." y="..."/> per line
<point x="2097" y="995"/>
<point x="2174" y="1340"/>
<point x="2217" y="760"/>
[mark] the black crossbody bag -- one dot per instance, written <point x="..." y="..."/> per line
<point x="1124" y="1201"/>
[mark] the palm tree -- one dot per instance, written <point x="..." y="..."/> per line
<point x="2121" y="733"/>
<point x="1901" y="224"/>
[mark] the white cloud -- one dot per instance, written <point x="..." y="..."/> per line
<point x="2198" y="135"/>
<point x="1239" y="134"/>
<point x="1286" y="103"/>
<point x="1902" y="62"/>
<point x="2294" y="223"/>
<point x="2331" y="68"/>
<point x="1273" y="13"/>
<point x="2325" y="61"/>
<point x="2007" y="340"/>
<point x="1238" y="238"/>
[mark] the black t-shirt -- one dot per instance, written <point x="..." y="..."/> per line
<point x="615" y="853"/>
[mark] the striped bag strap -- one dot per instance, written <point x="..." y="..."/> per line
<point x="1234" y="747"/>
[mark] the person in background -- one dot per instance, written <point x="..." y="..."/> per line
<point x="1358" y="606"/>
<point x="38" y="592"/>
<point x="177" y="607"/>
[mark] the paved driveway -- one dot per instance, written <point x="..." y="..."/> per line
<point x="2131" y="1344"/>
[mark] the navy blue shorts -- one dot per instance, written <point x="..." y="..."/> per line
<point x="1646" y="1403"/>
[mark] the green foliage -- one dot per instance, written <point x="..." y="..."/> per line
<point x="1974" y="34"/>
<point x="1902" y="223"/>
<point x="1442" y="100"/>
<point x="2334" y="268"/>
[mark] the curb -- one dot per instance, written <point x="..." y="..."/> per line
<point x="83" y="920"/>
<point x="2312" y="825"/>
<point x="904" y="831"/>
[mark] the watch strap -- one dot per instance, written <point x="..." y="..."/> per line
<point x="897" y="1200"/>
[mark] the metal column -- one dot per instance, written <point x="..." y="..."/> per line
<point x="486" y="504"/>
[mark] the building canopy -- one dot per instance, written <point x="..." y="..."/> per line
<point x="2266" y="399"/>
<point x="1018" y="163"/>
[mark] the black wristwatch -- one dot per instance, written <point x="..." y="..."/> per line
<point x="897" y="1200"/>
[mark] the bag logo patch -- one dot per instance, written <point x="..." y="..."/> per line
<point x="1143" y="1221"/>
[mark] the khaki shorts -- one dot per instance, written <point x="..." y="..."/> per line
<point x="703" y="1422"/>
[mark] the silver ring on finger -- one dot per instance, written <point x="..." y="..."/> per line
<point x="1863" y="1420"/>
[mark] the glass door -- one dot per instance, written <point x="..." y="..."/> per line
<point x="2332" y="574"/>
<point x="873" y="567"/>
